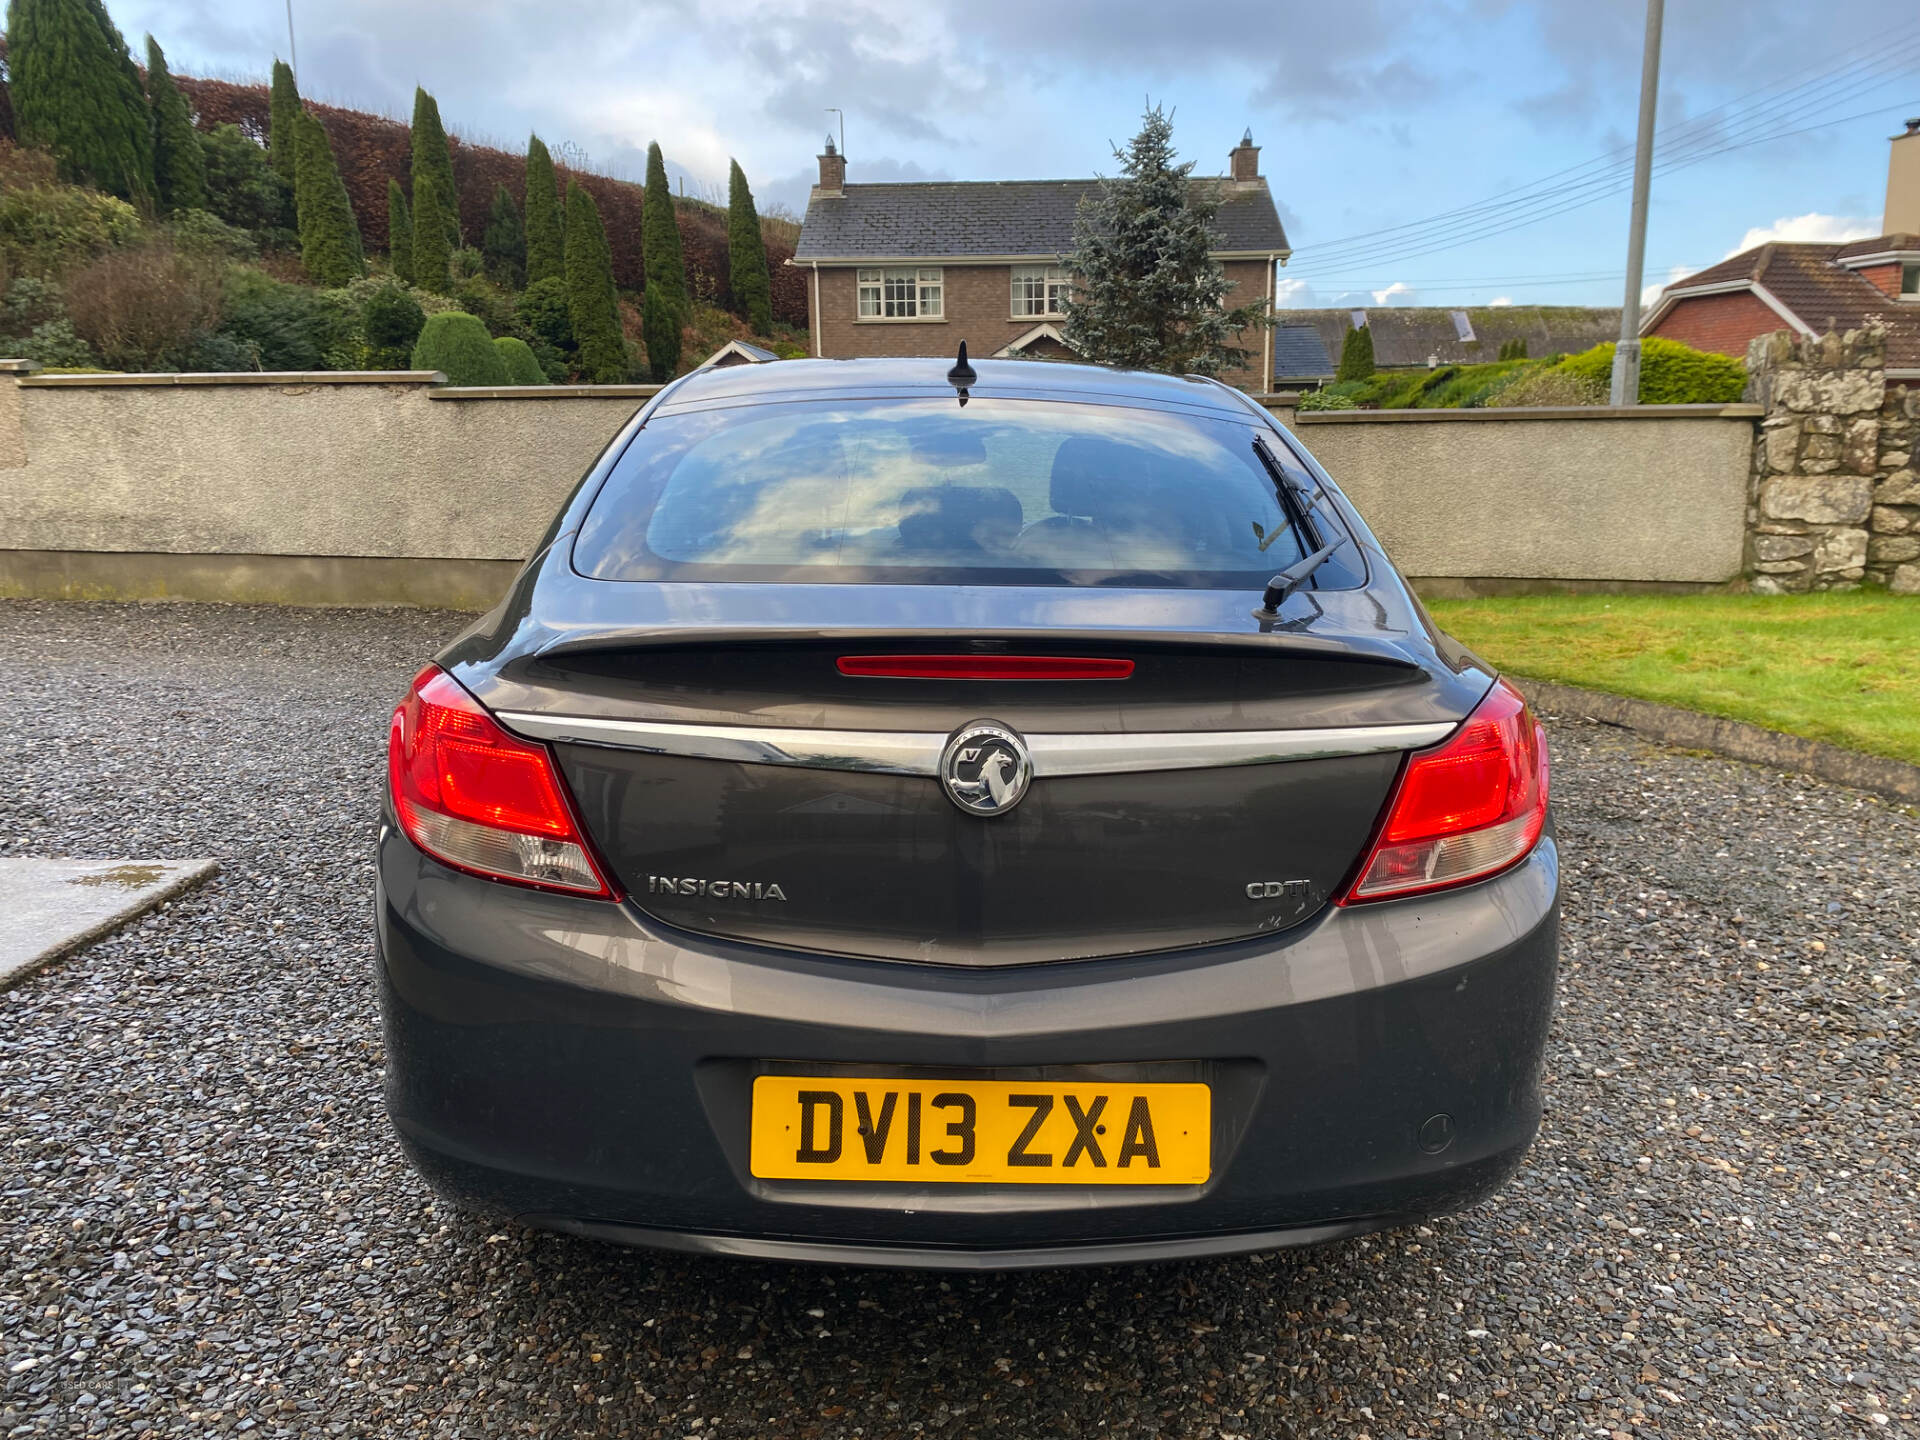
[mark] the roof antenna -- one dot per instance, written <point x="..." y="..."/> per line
<point x="962" y="375"/>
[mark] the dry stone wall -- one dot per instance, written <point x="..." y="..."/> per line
<point x="1835" y="498"/>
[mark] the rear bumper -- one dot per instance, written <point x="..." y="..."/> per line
<point x="581" y="1068"/>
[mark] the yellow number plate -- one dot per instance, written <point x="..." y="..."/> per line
<point x="993" y="1132"/>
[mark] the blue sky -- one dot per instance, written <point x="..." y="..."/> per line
<point x="1374" y="116"/>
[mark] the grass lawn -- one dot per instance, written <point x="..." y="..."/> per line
<point x="1838" y="667"/>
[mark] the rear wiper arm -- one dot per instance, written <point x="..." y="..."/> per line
<point x="1292" y="578"/>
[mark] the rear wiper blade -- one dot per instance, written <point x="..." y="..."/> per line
<point x="1292" y="578"/>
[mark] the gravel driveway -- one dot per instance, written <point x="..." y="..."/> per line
<point x="205" y="1227"/>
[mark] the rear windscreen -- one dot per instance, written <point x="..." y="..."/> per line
<point x="1008" y="492"/>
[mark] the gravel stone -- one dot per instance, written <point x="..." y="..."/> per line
<point x="207" y="1229"/>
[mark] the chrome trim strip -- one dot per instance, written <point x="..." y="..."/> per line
<point x="893" y="753"/>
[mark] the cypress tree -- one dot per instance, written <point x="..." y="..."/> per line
<point x="1356" y="355"/>
<point x="505" y="243"/>
<point x="431" y="252"/>
<point x="660" y="235"/>
<point x="399" y="232"/>
<point x="329" y="239"/>
<point x="75" y="91"/>
<point x="283" y="123"/>
<point x="433" y="158"/>
<point x="747" y="256"/>
<point x="546" y="257"/>
<point x="593" y="306"/>
<point x="179" y="169"/>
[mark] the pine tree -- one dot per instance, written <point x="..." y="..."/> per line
<point x="505" y="242"/>
<point x="545" y="227"/>
<point x="1356" y="355"/>
<point x="399" y="232"/>
<point x="75" y="90"/>
<point x="431" y="252"/>
<point x="179" y="169"/>
<point x="433" y="158"/>
<point x="329" y="239"/>
<point x="593" y="306"/>
<point x="660" y="235"/>
<point x="747" y="256"/>
<point x="1148" y="293"/>
<point x="283" y="122"/>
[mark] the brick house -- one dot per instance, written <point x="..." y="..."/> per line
<point x="915" y="268"/>
<point x="1813" y="289"/>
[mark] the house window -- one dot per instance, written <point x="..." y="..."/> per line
<point x="1910" y="281"/>
<point x="1040" y="289"/>
<point x="903" y="293"/>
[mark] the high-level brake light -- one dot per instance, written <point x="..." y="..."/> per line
<point x="985" y="667"/>
<point x="1464" y="810"/>
<point x="470" y="794"/>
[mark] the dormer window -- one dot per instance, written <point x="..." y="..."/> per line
<point x="1910" y="281"/>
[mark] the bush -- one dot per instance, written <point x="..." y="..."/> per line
<point x="46" y="229"/>
<point x="1551" y="385"/>
<point x="543" y="314"/>
<point x="458" y="345"/>
<point x="34" y="325"/>
<point x="1327" y="399"/>
<point x="517" y="356"/>
<point x="144" y="308"/>
<point x="243" y="188"/>
<point x="391" y="321"/>
<point x="494" y="307"/>
<point x="221" y="353"/>
<point x="198" y="232"/>
<point x="1670" y="373"/>
<point x="291" y="327"/>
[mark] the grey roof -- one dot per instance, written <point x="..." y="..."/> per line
<point x="1411" y="334"/>
<point x="952" y="219"/>
<point x="1299" y="353"/>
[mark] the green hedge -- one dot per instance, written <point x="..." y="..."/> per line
<point x="457" y="344"/>
<point x="517" y="356"/>
<point x="1670" y="373"/>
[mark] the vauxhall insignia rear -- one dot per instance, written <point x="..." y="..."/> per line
<point x="1009" y="819"/>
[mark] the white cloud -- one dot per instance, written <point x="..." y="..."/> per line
<point x="1500" y="300"/>
<point x="1811" y="227"/>
<point x="1650" y="294"/>
<point x="1292" y="294"/>
<point x="1386" y="296"/>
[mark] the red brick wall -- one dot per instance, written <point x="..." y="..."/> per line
<point x="1884" y="278"/>
<point x="1719" y="323"/>
<point x="978" y="303"/>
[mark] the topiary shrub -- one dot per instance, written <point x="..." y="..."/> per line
<point x="391" y="320"/>
<point x="517" y="356"/>
<point x="544" y="315"/>
<point x="457" y="344"/>
<point x="1670" y="373"/>
<point x="1356" y="355"/>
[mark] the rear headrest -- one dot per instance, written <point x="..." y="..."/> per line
<point x="960" y="517"/>
<point x="1103" y="479"/>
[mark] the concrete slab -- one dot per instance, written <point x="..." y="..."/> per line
<point x="47" y="907"/>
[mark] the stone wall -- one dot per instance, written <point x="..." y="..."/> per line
<point x="1835" y="495"/>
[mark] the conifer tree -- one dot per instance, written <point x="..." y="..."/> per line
<point x="1356" y="355"/>
<point x="433" y="158"/>
<point x="545" y="227"/>
<point x="399" y="232"/>
<point x="593" y="306"/>
<point x="431" y="252"/>
<point x="1148" y="293"/>
<point x="329" y="239"/>
<point x="75" y="90"/>
<point x="505" y="241"/>
<point x="179" y="169"/>
<point x="747" y="256"/>
<point x="283" y="123"/>
<point x="664" y="306"/>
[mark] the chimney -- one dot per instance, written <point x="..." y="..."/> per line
<point x="833" y="170"/>
<point x="1245" y="159"/>
<point x="1903" y="183"/>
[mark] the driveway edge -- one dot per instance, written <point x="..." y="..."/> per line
<point x="1736" y="739"/>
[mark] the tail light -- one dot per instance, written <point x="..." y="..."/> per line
<point x="470" y="794"/>
<point x="1465" y="809"/>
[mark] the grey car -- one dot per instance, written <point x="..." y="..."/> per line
<point x="1005" y="815"/>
